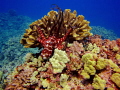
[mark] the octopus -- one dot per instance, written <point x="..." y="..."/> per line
<point x="50" y="43"/>
<point x="55" y="38"/>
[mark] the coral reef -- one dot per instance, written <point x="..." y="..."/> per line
<point x="87" y="68"/>
<point x="71" y="59"/>
<point x="12" y="24"/>
<point x="12" y="55"/>
<point x="11" y="51"/>
<point x="56" y="27"/>
<point x="105" y="33"/>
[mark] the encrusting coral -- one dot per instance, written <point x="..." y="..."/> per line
<point x="82" y="65"/>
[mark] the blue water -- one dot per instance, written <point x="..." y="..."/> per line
<point x="105" y="13"/>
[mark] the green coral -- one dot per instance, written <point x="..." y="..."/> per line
<point x="98" y="83"/>
<point x="58" y="60"/>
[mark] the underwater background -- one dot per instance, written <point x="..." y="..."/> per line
<point x="16" y="15"/>
<point x="103" y="13"/>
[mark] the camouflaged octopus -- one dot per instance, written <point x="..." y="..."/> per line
<point x="52" y="31"/>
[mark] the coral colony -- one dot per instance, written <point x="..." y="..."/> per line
<point x="71" y="57"/>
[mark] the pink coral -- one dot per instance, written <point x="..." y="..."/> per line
<point x="118" y="42"/>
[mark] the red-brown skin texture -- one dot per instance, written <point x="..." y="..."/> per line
<point x="50" y="43"/>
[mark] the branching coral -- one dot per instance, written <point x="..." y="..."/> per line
<point x="53" y="29"/>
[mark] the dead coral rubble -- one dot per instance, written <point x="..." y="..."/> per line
<point x="85" y="68"/>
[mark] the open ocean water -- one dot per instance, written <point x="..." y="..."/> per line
<point x="105" y="13"/>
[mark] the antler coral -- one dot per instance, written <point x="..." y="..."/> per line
<point x="55" y="26"/>
<point x="50" y="23"/>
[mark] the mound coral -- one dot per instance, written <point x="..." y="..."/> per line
<point x="98" y="83"/>
<point x="58" y="60"/>
<point x="55" y="27"/>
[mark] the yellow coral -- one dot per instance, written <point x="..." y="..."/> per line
<point x="98" y="83"/>
<point x="43" y="68"/>
<point x="109" y="88"/>
<point x="101" y="63"/>
<point x="87" y="57"/>
<point x="116" y="70"/>
<point x="112" y="64"/>
<point x="90" y="47"/>
<point x="116" y="48"/>
<point x="33" y="79"/>
<point x="117" y="56"/>
<point x="45" y="82"/>
<point x="90" y="69"/>
<point x="116" y="79"/>
<point x="89" y="63"/>
<point x="58" y="60"/>
<point x="28" y="57"/>
<point x="85" y="74"/>
<point x="93" y="48"/>
<point x="63" y="79"/>
<point x="67" y="87"/>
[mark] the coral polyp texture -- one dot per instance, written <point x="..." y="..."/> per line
<point x="54" y="29"/>
<point x="83" y="65"/>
